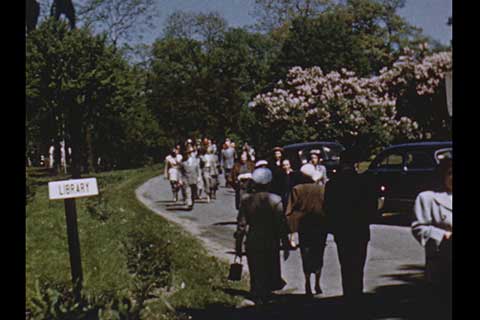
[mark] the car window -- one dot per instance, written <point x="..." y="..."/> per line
<point x="332" y="152"/>
<point x="442" y="154"/>
<point x="419" y="160"/>
<point x="391" y="161"/>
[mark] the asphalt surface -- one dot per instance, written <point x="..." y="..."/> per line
<point x="393" y="274"/>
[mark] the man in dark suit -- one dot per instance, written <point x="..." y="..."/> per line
<point x="350" y="205"/>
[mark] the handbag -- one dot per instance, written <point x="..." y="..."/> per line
<point x="235" y="273"/>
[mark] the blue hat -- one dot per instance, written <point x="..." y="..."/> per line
<point x="262" y="176"/>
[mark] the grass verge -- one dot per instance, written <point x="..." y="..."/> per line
<point x="136" y="265"/>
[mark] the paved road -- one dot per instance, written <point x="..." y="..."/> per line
<point x="394" y="262"/>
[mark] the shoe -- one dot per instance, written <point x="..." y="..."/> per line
<point x="208" y="199"/>
<point x="318" y="290"/>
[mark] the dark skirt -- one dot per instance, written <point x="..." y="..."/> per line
<point x="265" y="274"/>
<point x="312" y="247"/>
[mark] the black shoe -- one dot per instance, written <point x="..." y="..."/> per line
<point x="318" y="290"/>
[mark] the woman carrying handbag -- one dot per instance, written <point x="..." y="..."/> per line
<point x="262" y="222"/>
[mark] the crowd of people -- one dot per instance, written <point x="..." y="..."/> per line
<point x="280" y="208"/>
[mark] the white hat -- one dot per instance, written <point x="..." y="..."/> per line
<point x="261" y="163"/>
<point x="309" y="170"/>
<point x="262" y="176"/>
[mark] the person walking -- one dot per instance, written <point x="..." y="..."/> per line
<point x="350" y="205"/>
<point x="306" y="216"/>
<point x="276" y="168"/>
<point x="227" y="161"/>
<point x="190" y="170"/>
<point x="249" y="149"/>
<point x="240" y="175"/>
<point x="172" y="172"/>
<point x="316" y="161"/>
<point x="289" y="178"/>
<point x="261" y="220"/>
<point x="432" y="228"/>
<point x="210" y="173"/>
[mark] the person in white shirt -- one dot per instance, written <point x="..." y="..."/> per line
<point x="316" y="161"/>
<point x="172" y="173"/>
<point x="433" y="229"/>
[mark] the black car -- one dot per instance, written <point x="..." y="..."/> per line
<point x="401" y="172"/>
<point x="299" y="153"/>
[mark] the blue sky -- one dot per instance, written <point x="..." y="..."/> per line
<point x="430" y="15"/>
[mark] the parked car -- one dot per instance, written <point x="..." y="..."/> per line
<point x="401" y="172"/>
<point x="299" y="153"/>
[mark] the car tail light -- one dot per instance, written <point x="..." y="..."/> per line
<point x="383" y="188"/>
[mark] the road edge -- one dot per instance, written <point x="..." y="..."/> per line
<point x="213" y="248"/>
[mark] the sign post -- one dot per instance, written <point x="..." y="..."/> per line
<point x="68" y="190"/>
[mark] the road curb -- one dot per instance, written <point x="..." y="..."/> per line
<point x="213" y="248"/>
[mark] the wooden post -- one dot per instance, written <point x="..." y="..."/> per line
<point x="70" y="206"/>
<point x="74" y="247"/>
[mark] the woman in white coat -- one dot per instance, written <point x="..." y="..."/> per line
<point x="433" y="228"/>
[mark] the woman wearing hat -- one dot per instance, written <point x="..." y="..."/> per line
<point x="316" y="161"/>
<point x="276" y="168"/>
<point x="241" y="174"/>
<point x="305" y="215"/>
<point x="172" y="171"/>
<point x="262" y="221"/>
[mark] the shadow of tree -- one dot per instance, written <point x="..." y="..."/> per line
<point x="409" y="300"/>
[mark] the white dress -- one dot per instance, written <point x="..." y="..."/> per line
<point x="173" y="167"/>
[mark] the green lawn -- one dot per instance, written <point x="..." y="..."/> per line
<point x="136" y="265"/>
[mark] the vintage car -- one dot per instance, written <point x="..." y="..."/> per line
<point x="400" y="172"/>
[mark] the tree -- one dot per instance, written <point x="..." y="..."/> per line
<point x="75" y="76"/>
<point x="272" y="14"/>
<point x="32" y="12"/>
<point x="361" y="35"/>
<point x="208" y="28"/>
<point x="64" y="7"/>
<point x="205" y="92"/>
<point x="403" y="102"/>
<point x="121" y="20"/>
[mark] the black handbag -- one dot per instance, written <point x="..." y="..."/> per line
<point x="235" y="273"/>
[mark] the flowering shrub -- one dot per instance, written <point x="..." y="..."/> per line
<point x="341" y="105"/>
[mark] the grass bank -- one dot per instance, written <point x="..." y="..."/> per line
<point x="136" y="265"/>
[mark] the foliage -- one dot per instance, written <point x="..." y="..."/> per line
<point x="272" y="14"/>
<point x="134" y="262"/>
<point x="206" y="27"/>
<point x="205" y="92"/>
<point x="120" y="20"/>
<point x="362" y="36"/>
<point x="72" y="72"/>
<point x="354" y="110"/>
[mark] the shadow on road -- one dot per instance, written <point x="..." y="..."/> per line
<point x="165" y="202"/>
<point x="400" y="219"/>
<point x="410" y="300"/>
<point x="178" y="208"/>
<point x="226" y="223"/>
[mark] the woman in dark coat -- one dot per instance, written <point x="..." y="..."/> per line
<point x="263" y="213"/>
<point x="275" y="165"/>
<point x="306" y="216"/>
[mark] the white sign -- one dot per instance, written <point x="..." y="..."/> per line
<point x="448" y="87"/>
<point x="74" y="188"/>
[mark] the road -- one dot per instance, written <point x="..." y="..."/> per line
<point x="394" y="263"/>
